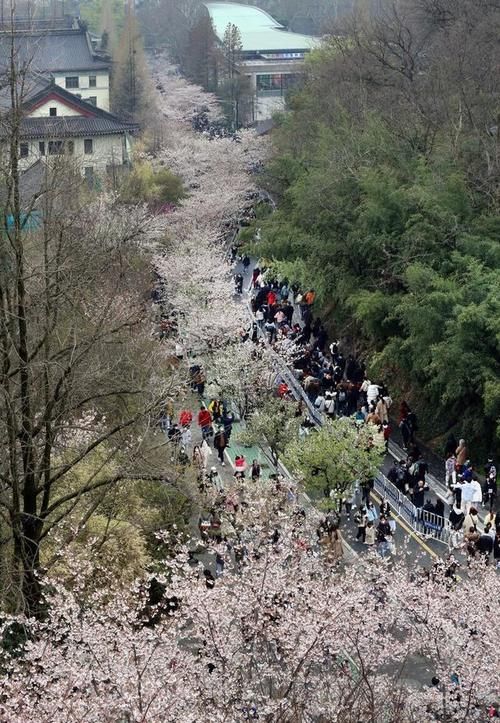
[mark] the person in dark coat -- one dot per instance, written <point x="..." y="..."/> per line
<point x="439" y="507"/>
<point x="457" y="517"/>
<point x="220" y="443"/>
<point x="419" y="493"/>
<point x="450" y="445"/>
<point x="485" y="543"/>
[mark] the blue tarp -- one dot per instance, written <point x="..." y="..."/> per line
<point x="29" y="222"/>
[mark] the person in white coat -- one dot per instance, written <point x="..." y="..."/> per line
<point x="467" y="495"/>
<point x="371" y="390"/>
<point x="477" y="493"/>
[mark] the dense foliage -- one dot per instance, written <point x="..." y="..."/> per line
<point x="284" y="636"/>
<point x="387" y="174"/>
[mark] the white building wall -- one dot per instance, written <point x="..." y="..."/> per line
<point x="266" y="106"/>
<point x="100" y="92"/>
<point x="106" y="151"/>
<point x="62" y="110"/>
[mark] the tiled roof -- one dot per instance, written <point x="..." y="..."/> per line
<point x="70" y="127"/>
<point x="54" y="51"/>
<point x="33" y="84"/>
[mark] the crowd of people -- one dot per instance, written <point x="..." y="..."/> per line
<point x="337" y="385"/>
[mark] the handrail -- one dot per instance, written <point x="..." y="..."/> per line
<point x="422" y="521"/>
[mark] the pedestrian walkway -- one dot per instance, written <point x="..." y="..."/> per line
<point x="437" y="495"/>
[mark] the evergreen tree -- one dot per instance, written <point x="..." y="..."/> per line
<point x="131" y="94"/>
<point x="201" y="61"/>
<point x="107" y="26"/>
<point x="231" y="49"/>
<point x="235" y="87"/>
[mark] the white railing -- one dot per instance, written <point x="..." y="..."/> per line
<point x="423" y="522"/>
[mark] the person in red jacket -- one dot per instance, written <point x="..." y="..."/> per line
<point x="205" y="422"/>
<point x="272" y="298"/>
<point x="185" y="418"/>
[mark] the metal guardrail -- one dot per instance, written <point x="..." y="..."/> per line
<point x="285" y="372"/>
<point x="423" y="522"/>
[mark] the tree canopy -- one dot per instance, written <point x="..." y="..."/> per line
<point x="387" y="175"/>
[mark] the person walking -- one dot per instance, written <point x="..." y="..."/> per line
<point x="186" y="437"/>
<point x="370" y="532"/>
<point x="468" y="491"/>
<point x="238" y="283"/>
<point x="384" y="536"/>
<point x="456" y="517"/>
<point x="419" y="493"/>
<point x="491" y="519"/>
<point x="471" y="539"/>
<point x="485" y="543"/>
<point x="215" y="480"/>
<point x="450" y="472"/>
<point x="382" y="410"/>
<point x="461" y="454"/>
<point x="490" y="492"/>
<point x="240" y="464"/>
<point x="205" y="422"/>
<point x="220" y="443"/>
<point x="185" y="418"/>
<point x="471" y="519"/>
<point x="477" y="493"/>
<point x="227" y="423"/>
<point x="360" y="519"/>
<point x="255" y="471"/>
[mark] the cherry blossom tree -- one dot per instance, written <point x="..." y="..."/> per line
<point x="194" y="262"/>
<point x="243" y="372"/>
<point x="73" y="341"/>
<point x="284" y="636"/>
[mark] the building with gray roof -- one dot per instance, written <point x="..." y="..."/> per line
<point x="271" y="56"/>
<point x="66" y="54"/>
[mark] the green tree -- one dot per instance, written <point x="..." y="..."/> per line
<point x="201" y="62"/>
<point x="274" y="424"/>
<point x="388" y="204"/>
<point x="332" y="458"/>
<point x="145" y="184"/>
<point x="231" y="50"/>
<point x="234" y="87"/>
<point x="131" y="94"/>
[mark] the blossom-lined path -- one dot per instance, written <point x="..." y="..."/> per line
<point x="216" y="175"/>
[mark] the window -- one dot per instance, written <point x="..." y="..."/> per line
<point x="24" y="150"/>
<point x="70" y="147"/>
<point x="52" y="111"/>
<point x="72" y="81"/>
<point x="41" y="147"/>
<point x="92" y="99"/>
<point x="88" y="146"/>
<point x="275" y="83"/>
<point x="55" y="148"/>
<point x="92" y="81"/>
